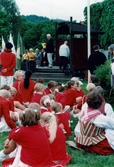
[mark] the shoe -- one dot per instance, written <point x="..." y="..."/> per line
<point x="73" y="145"/>
<point x="49" y="66"/>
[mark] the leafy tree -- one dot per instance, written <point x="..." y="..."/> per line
<point x="10" y="18"/>
<point x="35" y="19"/>
<point x="4" y="24"/>
<point x="101" y="18"/>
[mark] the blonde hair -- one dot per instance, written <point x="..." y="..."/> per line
<point x="90" y="87"/>
<point x="45" y="101"/>
<point x="18" y="74"/>
<point x="5" y="93"/>
<point x="34" y="106"/>
<point x="56" y="107"/>
<point x="13" y="91"/>
<point x="50" y="119"/>
<point x="51" y="96"/>
<point x="30" y="117"/>
<point x="38" y="87"/>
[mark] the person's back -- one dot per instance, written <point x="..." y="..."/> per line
<point x="8" y="61"/>
<point x="35" y="146"/>
<point x="64" y="50"/>
<point x="30" y="140"/>
<point x="96" y="59"/>
<point x="6" y="122"/>
<point x="56" y="139"/>
<point x="26" y="88"/>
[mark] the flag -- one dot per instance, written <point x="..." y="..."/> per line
<point x="20" y="51"/>
<point x="11" y="40"/>
<point x="3" y="43"/>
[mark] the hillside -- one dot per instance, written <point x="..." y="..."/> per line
<point x="36" y="19"/>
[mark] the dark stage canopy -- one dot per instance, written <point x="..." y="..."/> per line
<point x="76" y="28"/>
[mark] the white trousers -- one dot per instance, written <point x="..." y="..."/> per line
<point x="49" y="57"/>
<point x="7" y="80"/>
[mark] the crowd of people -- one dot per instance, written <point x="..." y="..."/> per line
<point x="37" y="116"/>
<point x="31" y="60"/>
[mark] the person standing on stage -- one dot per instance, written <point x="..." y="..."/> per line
<point x="49" y="49"/>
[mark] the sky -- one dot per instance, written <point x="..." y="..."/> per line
<point x="55" y="9"/>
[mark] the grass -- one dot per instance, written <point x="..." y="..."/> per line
<point x="79" y="158"/>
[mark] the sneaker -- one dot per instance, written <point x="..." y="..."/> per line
<point x="49" y="66"/>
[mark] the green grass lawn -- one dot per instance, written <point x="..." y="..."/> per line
<point x="79" y="158"/>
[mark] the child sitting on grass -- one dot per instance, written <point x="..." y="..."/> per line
<point x="31" y="142"/>
<point x="56" y="139"/>
<point x="63" y="118"/>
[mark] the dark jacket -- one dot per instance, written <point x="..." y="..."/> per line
<point x="95" y="60"/>
<point x="49" y="46"/>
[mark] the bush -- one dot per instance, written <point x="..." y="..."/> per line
<point x="103" y="73"/>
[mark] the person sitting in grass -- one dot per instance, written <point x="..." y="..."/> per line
<point x="56" y="138"/>
<point x="33" y="148"/>
<point x="92" y="137"/>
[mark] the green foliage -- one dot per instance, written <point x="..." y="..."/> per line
<point x="9" y="16"/>
<point x="34" y="18"/>
<point x="103" y="72"/>
<point x="101" y="18"/>
<point x="79" y="158"/>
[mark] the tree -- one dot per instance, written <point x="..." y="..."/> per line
<point x="102" y="15"/>
<point x="10" y="18"/>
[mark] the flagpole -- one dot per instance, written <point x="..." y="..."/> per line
<point x="88" y="33"/>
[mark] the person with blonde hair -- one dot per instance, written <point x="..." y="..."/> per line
<point x="6" y="122"/>
<point x="19" y="76"/>
<point x="89" y="87"/>
<point x="45" y="103"/>
<point x="31" y="142"/>
<point x="38" y="92"/>
<point x="56" y="139"/>
<point x="16" y="105"/>
<point x="63" y="118"/>
<point x="34" y="106"/>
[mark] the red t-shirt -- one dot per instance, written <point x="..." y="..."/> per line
<point x="70" y="97"/>
<point x="26" y="94"/>
<point x="8" y="60"/>
<point x="64" y="118"/>
<point x="4" y="111"/>
<point x="58" y="146"/>
<point x="61" y="98"/>
<point x="36" y="97"/>
<point x="35" y="146"/>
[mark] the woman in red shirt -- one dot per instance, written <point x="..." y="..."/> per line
<point x="70" y="93"/>
<point x="56" y="139"/>
<point x="26" y="88"/>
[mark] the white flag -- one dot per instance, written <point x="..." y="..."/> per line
<point x="11" y="40"/>
<point x="3" y="43"/>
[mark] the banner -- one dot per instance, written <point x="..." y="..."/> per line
<point x="3" y="43"/>
<point x="11" y="40"/>
<point x="20" y="52"/>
